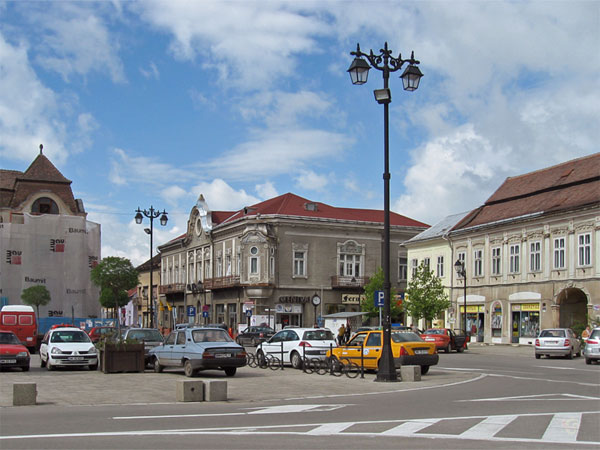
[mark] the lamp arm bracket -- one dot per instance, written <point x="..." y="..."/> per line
<point x="384" y="60"/>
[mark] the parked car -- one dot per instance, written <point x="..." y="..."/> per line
<point x="199" y="348"/>
<point x="151" y="338"/>
<point x="12" y="352"/>
<point x="408" y="348"/>
<point x="445" y="339"/>
<point x="20" y="319"/>
<point x="254" y="335"/>
<point x="69" y="346"/>
<point x="557" y="342"/>
<point x="98" y="333"/>
<point x="295" y="343"/>
<point x="592" y="346"/>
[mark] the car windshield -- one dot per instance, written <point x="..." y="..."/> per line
<point x="318" y="335"/>
<point x="553" y="333"/>
<point x="9" y="338"/>
<point x="211" y="336"/>
<point x="145" y="335"/>
<point x="595" y="334"/>
<point x="406" y="337"/>
<point x="69" y="336"/>
<point x="433" y="332"/>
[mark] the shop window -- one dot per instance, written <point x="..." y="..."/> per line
<point x="584" y="250"/>
<point x="559" y="253"/>
<point x="497" y="261"/>
<point x="497" y="320"/>
<point x="525" y="320"/>
<point x="535" y="256"/>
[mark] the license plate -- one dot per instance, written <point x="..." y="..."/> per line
<point x="421" y="352"/>
<point x="323" y="352"/>
<point x="595" y="350"/>
<point x="430" y="339"/>
<point x="76" y="358"/>
<point x="222" y="355"/>
<point x="8" y="361"/>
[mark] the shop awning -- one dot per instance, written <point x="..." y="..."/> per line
<point x="344" y="315"/>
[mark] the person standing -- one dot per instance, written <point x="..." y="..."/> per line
<point x="341" y="333"/>
<point x="347" y="333"/>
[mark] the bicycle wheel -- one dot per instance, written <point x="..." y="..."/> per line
<point x="321" y="366"/>
<point x="351" y="369"/>
<point x="251" y="360"/>
<point x="336" y="367"/>
<point x="274" y="363"/>
<point x="307" y="366"/>
<point x="262" y="361"/>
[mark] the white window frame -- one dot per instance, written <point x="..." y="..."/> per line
<point x="462" y="257"/>
<point x="535" y="256"/>
<point x="496" y="261"/>
<point x="254" y="262"/>
<point x="478" y="262"/>
<point x="427" y="263"/>
<point x="402" y="268"/>
<point x="414" y="264"/>
<point x="514" y="258"/>
<point x="440" y="267"/>
<point x="584" y="250"/>
<point x="350" y="265"/>
<point x="299" y="263"/>
<point x="559" y="253"/>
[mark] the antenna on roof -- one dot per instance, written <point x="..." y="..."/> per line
<point x="41" y="148"/>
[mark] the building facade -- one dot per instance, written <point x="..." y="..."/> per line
<point x="45" y="239"/>
<point x="143" y="291"/>
<point x="266" y="263"/>
<point x="532" y="255"/>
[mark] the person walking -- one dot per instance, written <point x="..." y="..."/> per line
<point x="347" y="333"/>
<point x="586" y="333"/>
<point x="341" y="333"/>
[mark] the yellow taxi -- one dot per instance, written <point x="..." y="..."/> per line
<point x="408" y="348"/>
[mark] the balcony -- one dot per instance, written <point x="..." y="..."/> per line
<point x="171" y="288"/>
<point x="221" y="282"/>
<point x="341" y="282"/>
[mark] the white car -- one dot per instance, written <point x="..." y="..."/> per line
<point x="68" y="346"/>
<point x="295" y="343"/>
<point x="557" y="342"/>
<point x="592" y="347"/>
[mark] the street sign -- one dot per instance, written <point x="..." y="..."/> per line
<point x="379" y="299"/>
<point x="204" y="313"/>
<point x="205" y="308"/>
<point x="191" y="311"/>
<point x="248" y="313"/>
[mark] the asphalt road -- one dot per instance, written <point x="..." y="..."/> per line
<point x="489" y="397"/>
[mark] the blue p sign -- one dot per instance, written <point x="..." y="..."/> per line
<point x="379" y="299"/>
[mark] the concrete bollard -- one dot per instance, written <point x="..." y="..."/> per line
<point x="410" y="373"/>
<point x="190" y="391"/>
<point x="24" y="394"/>
<point x="216" y="391"/>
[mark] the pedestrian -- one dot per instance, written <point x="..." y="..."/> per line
<point x="347" y="333"/>
<point x="341" y="333"/>
<point x="414" y="328"/>
<point x="586" y="333"/>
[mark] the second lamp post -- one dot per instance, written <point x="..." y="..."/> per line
<point x="359" y="70"/>
<point x="139" y="217"/>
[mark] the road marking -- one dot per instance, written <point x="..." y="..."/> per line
<point x="563" y="428"/>
<point x="569" y="368"/>
<point x="519" y="398"/>
<point x="543" y="379"/>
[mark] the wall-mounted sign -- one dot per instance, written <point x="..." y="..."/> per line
<point x="354" y="299"/>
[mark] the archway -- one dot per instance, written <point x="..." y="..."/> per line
<point x="573" y="307"/>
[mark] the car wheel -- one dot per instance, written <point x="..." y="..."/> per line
<point x="188" y="369"/>
<point x="93" y="366"/>
<point x="538" y="356"/>
<point x="48" y="365"/>
<point x="447" y="349"/>
<point x="460" y="349"/>
<point x="296" y="360"/>
<point x="230" y="371"/>
<point x="158" y="368"/>
<point x="424" y="370"/>
<point x="570" y="355"/>
<point x="588" y="361"/>
<point x="42" y="362"/>
<point x="578" y="354"/>
<point x="25" y="368"/>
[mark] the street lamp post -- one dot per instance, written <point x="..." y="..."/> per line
<point x="461" y="271"/>
<point x="139" y="217"/>
<point x="359" y="70"/>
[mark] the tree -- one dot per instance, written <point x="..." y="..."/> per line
<point x="36" y="296"/>
<point x="376" y="284"/>
<point x="425" y="296"/>
<point x="115" y="276"/>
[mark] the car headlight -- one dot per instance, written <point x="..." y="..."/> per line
<point x="22" y="354"/>
<point x="56" y="351"/>
<point x="92" y="349"/>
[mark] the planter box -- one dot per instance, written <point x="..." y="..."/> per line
<point x="122" y="358"/>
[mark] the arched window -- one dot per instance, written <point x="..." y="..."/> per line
<point x="44" y="205"/>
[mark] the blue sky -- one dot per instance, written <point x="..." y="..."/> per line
<point x="145" y="103"/>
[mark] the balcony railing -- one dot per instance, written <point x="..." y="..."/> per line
<point x="338" y="281"/>
<point x="221" y="282"/>
<point x="171" y="288"/>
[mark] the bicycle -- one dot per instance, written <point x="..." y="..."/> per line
<point x="270" y="361"/>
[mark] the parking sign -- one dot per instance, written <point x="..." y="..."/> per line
<point x="379" y="299"/>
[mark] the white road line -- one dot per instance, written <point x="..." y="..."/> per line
<point x="563" y="428"/>
<point x="410" y="428"/>
<point x="488" y="427"/>
<point x="569" y="368"/>
<point x="537" y="397"/>
<point x="330" y="428"/>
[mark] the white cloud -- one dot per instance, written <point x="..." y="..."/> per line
<point x="221" y="196"/>
<point x="266" y="190"/>
<point x="151" y="71"/>
<point x="309" y="180"/>
<point x="175" y="194"/>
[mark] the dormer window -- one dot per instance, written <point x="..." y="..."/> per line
<point x="310" y="206"/>
<point x="44" y="205"/>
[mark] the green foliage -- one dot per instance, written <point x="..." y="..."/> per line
<point x="36" y="296"/>
<point x="376" y="284"/>
<point x="115" y="276"/>
<point x="425" y="296"/>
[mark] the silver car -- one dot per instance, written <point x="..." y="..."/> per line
<point x="592" y="346"/>
<point x="557" y="342"/>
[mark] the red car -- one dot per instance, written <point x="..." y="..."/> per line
<point x="445" y="339"/>
<point x="98" y="333"/>
<point x="12" y="352"/>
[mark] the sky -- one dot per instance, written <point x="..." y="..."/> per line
<point x="152" y="103"/>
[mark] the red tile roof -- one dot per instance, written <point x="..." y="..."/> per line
<point x="570" y="185"/>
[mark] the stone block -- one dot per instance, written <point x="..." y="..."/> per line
<point x="190" y="391"/>
<point x="410" y="373"/>
<point x="216" y="391"/>
<point x="24" y="394"/>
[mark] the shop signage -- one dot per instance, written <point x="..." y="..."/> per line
<point x="352" y="298"/>
<point x="294" y="299"/>
<point x="287" y="309"/>
<point x="471" y="308"/>
<point x="530" y="307"/>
